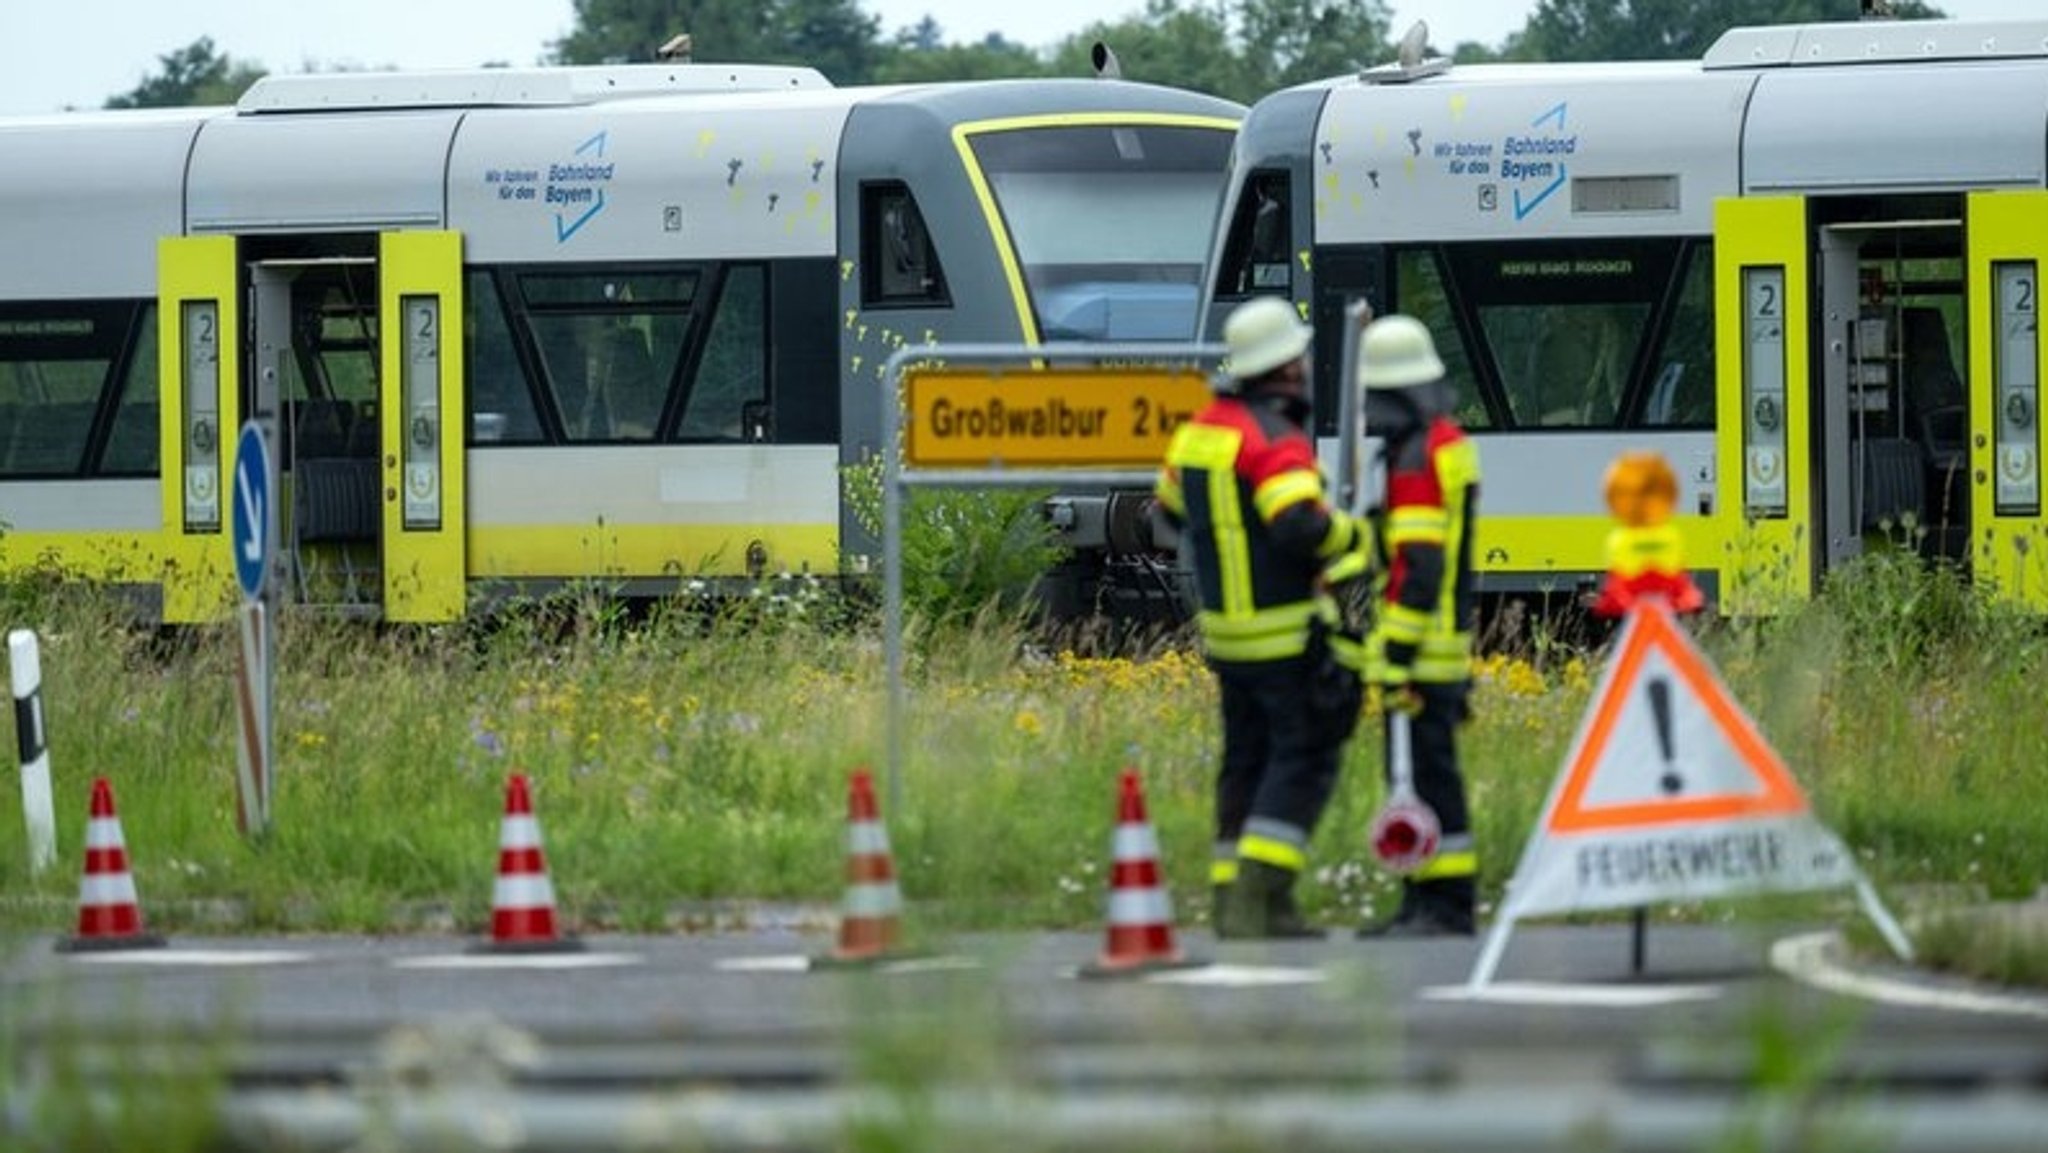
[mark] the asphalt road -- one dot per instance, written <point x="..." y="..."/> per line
<point x="728" y="1041"/>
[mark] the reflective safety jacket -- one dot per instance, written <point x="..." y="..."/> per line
<point x="1240" y="481"/>
<point x="1424" y="532"/>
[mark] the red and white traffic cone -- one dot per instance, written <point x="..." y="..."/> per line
<point x="1140" y="938"/>
<point x="109" y="915"/>
<point x="870" y="921"/>
<point x="523" y="902"/>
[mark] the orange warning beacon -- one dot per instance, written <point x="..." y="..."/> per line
<point x="1645" y="555"/>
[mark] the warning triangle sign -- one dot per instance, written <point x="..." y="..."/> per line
<point x="1666" y="744"/>
<point x="1670" y="793"/>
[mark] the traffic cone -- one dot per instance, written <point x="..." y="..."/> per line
<point x="1140" y="936"/>
<point x="523" y="902"/>
<point x="109" y="916"/>
<point x="870" y="922"/>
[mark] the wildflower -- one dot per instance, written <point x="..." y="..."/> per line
<point x="484" y="738"/>
<point x="1027" y="722"/>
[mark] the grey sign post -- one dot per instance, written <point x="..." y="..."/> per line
<point x="1082" y="426"/>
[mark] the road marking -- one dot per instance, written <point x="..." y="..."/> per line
<point x="804" y="963"/>
<point x="1805" y="958"/>
<point x="790" y="963"/>
<point x="518" y="961"/>
<point x="215" y="957"/>
<point x="940" y="964"/>
<point x="1239" y="976"/>
<point x="1594" y="996"/>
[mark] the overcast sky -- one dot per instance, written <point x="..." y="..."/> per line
<point x="75" y="53"/>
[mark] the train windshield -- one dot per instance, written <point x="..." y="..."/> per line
<point x="1582" y="334"/>
<point x="1111" y="224"/>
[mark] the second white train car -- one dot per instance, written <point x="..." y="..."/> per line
<point x="1804" y="267"/>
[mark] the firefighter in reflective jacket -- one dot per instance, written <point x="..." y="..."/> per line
<point x="1420" y="648"/>
<point x="1240" y="483"/>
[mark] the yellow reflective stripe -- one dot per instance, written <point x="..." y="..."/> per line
<point x="1167" y="489"/>
<point x="1347" y="566"/>
<point x="1206" y="446"/>
<point x="1255" y="651"/>
<point x="1348" y="652"/>
<point x="1264" y="635"/>
<point x="1457" y="466"/>
<point x="1233" y="548"/>
<point x="1223" y="872"/>
<point x="1398" y="622"/>
<point x="1213" y="450"/>
<point x="1441" y="670"/>
<point x="1417" y="526"/>
<point x="1445" y="866"/>
<point x="1342" y="537"/>
<point x="1284" y="489"/>
<point x="1278" y="854"/>
<point x="1440" y="661"/>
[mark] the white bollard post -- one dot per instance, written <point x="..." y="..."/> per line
<point x="26" y="671"/>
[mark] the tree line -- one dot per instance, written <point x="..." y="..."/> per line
<point x="1239" y="49"/>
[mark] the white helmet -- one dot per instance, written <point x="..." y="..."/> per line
<point x="1261" y="335"/>
<point x="1398" y="353"/>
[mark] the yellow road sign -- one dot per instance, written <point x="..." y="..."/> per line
<point x="1097" y="417"/>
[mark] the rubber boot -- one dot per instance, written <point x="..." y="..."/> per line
<point x="1261" y="906"/>
<point x="1442" y="908"/>
<point x="1219" y="902"/>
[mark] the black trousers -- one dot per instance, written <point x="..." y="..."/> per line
<point x="1433" y="745"/>
<point x="1275" y="766"/>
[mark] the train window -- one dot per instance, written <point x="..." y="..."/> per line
<point x="1681" y="392"/>
<point x="1255" y="258"/>
<point x="1419" y="292"/>
<point x="899" y="263"/>
<point x="1564" y="364"/>
<point x="1112" y="224"/>
<point x="609" y="289"/>
<point x="501" y="406"/>
<point x="55" y="362"/>
<point x="1586" y="334"/>
<point x="335" y="346"/>
<point x="728" y="399"/>
<point x="132" y="444"/>
<point x="610" y="345"/>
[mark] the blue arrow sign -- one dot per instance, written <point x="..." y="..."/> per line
<point x="251" y="520"/>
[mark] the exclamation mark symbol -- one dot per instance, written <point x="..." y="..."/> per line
<point x="1660" y="712"/>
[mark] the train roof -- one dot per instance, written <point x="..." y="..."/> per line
<point x="512" y="87"/>
<point x="725" y="86"/>
<point x="1876" y="42"/>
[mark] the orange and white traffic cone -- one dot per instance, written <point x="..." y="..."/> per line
<point x="523" y="902"/>
<point x="870" y="922"/>
<point x="1140" y="938"/>
<point x="109" y="915"/>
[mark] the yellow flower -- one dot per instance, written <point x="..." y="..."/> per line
<point x="1027" y="722"/>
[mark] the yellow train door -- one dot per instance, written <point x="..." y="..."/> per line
<point x="2008" y="244"/>
<point x="422" y="443"/>
<point x="200" y="401"/>
<point x="1763" y="305"/>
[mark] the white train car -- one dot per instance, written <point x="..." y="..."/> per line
<point x="1803" y="267"/>
<point x="513" y="328"/>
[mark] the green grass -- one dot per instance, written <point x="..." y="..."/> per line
<point x="694" y="759"/>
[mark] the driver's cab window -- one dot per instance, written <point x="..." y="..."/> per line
<point x="1255" y="259"/>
